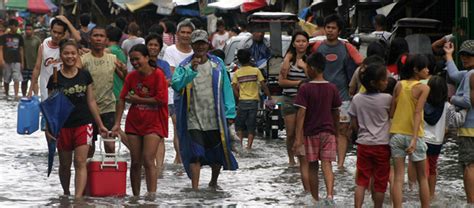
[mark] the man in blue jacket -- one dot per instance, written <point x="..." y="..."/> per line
<point x="204" y="106"/>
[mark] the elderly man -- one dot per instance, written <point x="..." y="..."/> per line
<point x="464" y="99"/>
<point x="205" y="105"/>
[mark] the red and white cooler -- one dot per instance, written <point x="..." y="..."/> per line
<point x="107" y="172"/>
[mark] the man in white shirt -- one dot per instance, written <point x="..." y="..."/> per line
<point x="174" y="54"/>
<point x="380" y="23"/>
<point x="220" y="37"/>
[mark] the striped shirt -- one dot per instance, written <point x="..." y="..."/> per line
<point x="295" y="74"/>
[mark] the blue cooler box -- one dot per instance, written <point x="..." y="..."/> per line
<point x="28" y="115"/>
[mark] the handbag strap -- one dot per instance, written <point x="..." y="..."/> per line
<point x="55" y="77"/>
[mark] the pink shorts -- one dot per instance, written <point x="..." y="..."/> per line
<point x="321" y="146"/>
<point x="70" y="138"/>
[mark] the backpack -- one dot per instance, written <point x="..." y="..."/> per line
<point x="350" y="65"/>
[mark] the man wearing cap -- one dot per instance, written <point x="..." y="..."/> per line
<point x="464" y="98"/>
<point x="204" y="107"/>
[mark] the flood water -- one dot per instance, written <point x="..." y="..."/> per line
<point x="263" y="179"/>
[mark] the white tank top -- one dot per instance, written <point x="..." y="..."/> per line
<point x="50" y="58"/>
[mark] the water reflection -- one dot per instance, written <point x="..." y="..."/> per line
<point x="263" y="180"/>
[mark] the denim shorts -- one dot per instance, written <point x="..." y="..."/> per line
<point x="171" y="110"/>
<point x="247" y="116"/>
<point x="289" y="107"/>
<point x="400" y="142"/>
<point x="466" y="150"/>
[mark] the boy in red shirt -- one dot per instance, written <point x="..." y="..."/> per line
<point x="318" y="118"/>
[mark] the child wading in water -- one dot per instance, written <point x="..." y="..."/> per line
<point x="437" y="114"/>
<point x="407" y="127"/>
<point x="370" y="113"/>
<point x="317" y="123"/>
<point x="245" y="83"/>
<point x="146" y="89"/>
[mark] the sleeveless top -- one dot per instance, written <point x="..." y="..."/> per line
<point x="295" y="74"/>
<point x="403" y="121"/>
<point x="49" y="59"/>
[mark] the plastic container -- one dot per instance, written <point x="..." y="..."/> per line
<point x="106" y="177"/>
<point x="28" y="115"/>
<point x="107" y="172"/>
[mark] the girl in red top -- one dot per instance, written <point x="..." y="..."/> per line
<point x="146" y="125"/>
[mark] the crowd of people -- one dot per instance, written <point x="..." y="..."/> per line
<point x="393" y="103"/>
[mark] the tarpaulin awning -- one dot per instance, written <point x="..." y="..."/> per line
<point x="184" y="2"/>
<point x="385" y="10"/>
<point x="17" y="5"/>
<point x="41" y="6"/>
<point x="253" y="5"/>
<point x="35" y="6"/>
<point x="227" y="4"/>
<point x="137" y="4"/>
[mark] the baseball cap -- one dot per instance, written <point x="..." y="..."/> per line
<point x="467" y="48"/>
<point x="199" y="35"/>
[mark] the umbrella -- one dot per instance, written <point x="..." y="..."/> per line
<point x="41" y="6"/>
<point x="56" y="110"/>
<point x="51" y="152"/>
<point x="17" y="5"/>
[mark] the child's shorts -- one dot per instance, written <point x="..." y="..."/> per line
<point x="12" y="71"/>
<point x="247" y="116"/>
<point x="321" y="146"/>
<point x="400" y="142"/>
<point x="70" y="138"/>
<point x="373" y="161"/>
<point x="433" y="154"/>
<point x="466" y="150"/>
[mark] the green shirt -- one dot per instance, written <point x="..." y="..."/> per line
<point x="118" y="83"/>
<point x="31" y="45"/>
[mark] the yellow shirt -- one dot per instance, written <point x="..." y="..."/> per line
<point x="248" y="79"/>
<point x="403" y="121"/>
<point x="102" y="71"/>
<point x="466" y="132"/>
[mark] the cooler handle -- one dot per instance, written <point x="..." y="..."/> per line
<point x="103" y="154"/>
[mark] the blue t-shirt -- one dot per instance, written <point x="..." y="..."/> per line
<point x="165" y="66"/>
<point x="334" y="70"/>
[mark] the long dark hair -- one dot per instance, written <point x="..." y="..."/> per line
<point x="141" y="48"/>
<point x="398" y="47"/>
<point x="372" y="73"/>
<point x="292" y="48"/>
<point x="438" y="91"/>
<point x="414" y="61"/>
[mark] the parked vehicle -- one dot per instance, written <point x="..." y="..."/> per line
<point x="269" y="121"/>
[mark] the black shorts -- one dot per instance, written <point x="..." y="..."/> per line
<point x="27" y="74"/>
<point x="247" y="116"/>
<point x="108" y="119"/>
<point x="466" y="150"/>
<point x="204" y="149"/>
<point x="207" y="139"/>
<point x="433" y="149"/>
